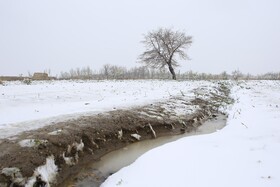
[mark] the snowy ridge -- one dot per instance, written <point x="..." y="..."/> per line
<point x="26" y="107"/>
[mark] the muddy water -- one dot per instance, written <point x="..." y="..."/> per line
<point x="114" y="161"/>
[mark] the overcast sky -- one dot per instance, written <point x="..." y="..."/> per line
<point x="60" y="35"/>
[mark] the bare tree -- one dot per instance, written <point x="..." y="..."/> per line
<point x="106" y="68"/>
<point x="163" y="46"/>
<point x="236" y="75"/>
<point x="30" y="74"/>
<point x="224" y="75"/>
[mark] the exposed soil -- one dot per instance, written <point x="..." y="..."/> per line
<point x="100" y="134"/>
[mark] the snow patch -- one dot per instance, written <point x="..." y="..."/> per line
<point x="120" y="134"/>
<point x="136" y="136"/>
<point x="47" y="172"/>
<point x="32" y="142"/>
<point x="79" y="146"/>
<point x="57" y="132"/>
<point x="69" y="160"/>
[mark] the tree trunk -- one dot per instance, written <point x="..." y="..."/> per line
<point x="172" y="71"/>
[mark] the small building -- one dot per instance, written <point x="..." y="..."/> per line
<point x="11" y="78"/>
<point x="40" y="76"/>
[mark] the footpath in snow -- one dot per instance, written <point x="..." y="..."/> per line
<point x="245" y="153"/>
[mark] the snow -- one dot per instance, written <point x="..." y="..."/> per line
<point x="47" y="172"/>
<point x="26" y="107"/>
<point x="245" y="153"/>
<point x="32" y="142"/>
<point x="136" y="136"/>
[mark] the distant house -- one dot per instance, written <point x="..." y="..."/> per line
<point x="40" y="76"/>
<point x="11" y="78"/>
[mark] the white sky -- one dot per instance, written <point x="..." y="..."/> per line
<point x="59" y="35"/>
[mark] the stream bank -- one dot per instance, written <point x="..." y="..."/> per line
<point x="97" y="172"/>
<point x="71" y="145"/>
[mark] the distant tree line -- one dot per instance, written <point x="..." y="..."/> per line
<point x="143" y="72"/>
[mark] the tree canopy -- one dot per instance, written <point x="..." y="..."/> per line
<point x="164" y="47"/>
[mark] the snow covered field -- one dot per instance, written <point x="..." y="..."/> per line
<point x="25" y="107"/>
<point x="245" y="153"/>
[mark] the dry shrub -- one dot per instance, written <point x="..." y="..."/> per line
<point x="27" y="81"/>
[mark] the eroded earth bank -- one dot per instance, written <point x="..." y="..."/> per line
<point x="53" y="154"/>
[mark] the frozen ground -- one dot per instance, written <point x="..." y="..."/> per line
<point x="25" y="107"/>
<point x="245" y="153"/>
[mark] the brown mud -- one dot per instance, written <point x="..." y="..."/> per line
<point x="100" y="134"/>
